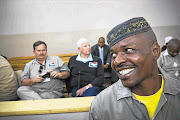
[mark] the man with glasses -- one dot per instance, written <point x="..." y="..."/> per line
<point x="42" y="77"/>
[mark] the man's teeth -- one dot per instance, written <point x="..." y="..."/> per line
<point x="126" y="71"/>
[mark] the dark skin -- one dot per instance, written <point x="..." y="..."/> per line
<point x="135" y="61"/>
<point x="173" y="47"/>
<point x="101" y="43"/>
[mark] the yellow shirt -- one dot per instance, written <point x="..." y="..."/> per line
<point x="151" y="102"/>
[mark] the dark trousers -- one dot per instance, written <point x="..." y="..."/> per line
<point x="92" y="91"/>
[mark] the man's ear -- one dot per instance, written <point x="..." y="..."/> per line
<point x="155" y="50"/>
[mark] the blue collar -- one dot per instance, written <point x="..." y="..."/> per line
<point x="84" y="60"/>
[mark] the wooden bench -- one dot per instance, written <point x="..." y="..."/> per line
<point x="52" y="109"/>
<point x="18" y="63"/>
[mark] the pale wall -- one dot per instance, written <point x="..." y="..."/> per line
<point x="60" y="23"/>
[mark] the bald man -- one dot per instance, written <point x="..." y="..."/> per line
<point x="169" y="60"/>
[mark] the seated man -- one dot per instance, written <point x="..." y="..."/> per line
<point x="8" y="81"/>
<point x="169" y="60"/>
<point x="87" y="73"/>
<point x="103" y="51"/>
<point x="37" y="86"/>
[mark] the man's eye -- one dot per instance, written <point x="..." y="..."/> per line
<point x="129" y="50"/>
<point x="114" y="55"/>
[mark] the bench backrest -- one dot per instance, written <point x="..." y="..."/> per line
<point x="18" y="63"/>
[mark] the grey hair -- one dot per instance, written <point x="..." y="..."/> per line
<point x="80" y="41"/>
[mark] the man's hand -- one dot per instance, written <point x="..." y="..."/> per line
<point x="54" y="74"/>
<point x="80" y="91"/>
<point x="106" y="66"/>
<point x="37" y="79"/>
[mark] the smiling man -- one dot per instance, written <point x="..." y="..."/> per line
<point x="140" y="93"/>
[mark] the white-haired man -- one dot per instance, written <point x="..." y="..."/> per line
<point x="87" y="73"/>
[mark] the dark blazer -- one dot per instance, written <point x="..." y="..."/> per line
<point x="106" y="52"/>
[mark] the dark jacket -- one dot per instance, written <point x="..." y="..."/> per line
<point x="106" y="53"/>
<point x="91" y="72"/>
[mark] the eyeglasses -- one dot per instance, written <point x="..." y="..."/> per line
<point x="40" y="68"/>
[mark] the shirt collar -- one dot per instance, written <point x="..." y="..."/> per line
<point x="166" y="53"/>
<point x="35" y="61"/>
<point x="170" y="87"/>
<point x="100" y="47"/>
<point x="122" y="91"/>
<point x="84" y="60"/>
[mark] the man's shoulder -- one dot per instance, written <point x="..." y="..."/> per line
<point x="3" y="62"/>
<point x="53" y="57"/>
<point x="73" y="57"/>
<point x="94" y="47"/>
<point x="106" y="45"/>
<point x="110" y="92"/>
<point x="30" y="62"/>
<point x="95" y="58"/>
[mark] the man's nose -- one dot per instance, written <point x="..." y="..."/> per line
<point x="41" y="52"/>
<point x="121" y="58"/>
<point x="88" y="47"/>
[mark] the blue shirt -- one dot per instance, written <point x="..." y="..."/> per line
<point x="84" y="60"/>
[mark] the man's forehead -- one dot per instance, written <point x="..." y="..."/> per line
<point x="101" y="39"/>
<point x="124" y="44"/>
<point x="174" y="48"/>
<point x="85" y="43"/>
<point x="40" y="46"/>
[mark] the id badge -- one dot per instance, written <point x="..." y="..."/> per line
<point x="93" y="64"/>
<point x="51" y="66"/>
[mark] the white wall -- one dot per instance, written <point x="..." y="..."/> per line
<point x="61" y="23"/>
